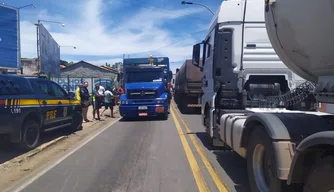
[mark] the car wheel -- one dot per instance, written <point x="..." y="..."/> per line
<point x="76" y="122"/>
<point x="30" y="135"/>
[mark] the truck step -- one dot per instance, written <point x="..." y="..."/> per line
<point x="194" y="105"/>
<point x="218" y="143"/>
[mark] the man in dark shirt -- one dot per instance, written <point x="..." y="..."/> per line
<point x="97" y="101"/>
<point x="84" y="94"/>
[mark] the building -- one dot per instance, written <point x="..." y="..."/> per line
<point x="72" y="75"/>
<point x="29" y="66"/>
<point x="85" y="69"/>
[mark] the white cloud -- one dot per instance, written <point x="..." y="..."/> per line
<point x="92" y="36"/>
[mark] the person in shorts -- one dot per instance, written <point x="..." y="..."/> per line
<point x="97" y="101"/>
<point x="108" y="102"/>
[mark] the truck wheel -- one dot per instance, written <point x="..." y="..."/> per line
<point x="261" y="162"/>
<point x="76" y="122"/>
<point x="320" y="177"/>
<point x="30" y="135"/>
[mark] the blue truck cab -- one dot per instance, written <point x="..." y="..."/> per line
<point x="146" y="87"/>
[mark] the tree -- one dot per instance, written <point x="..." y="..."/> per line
<point x="62" y="62"/>
<point x="108" y="65"/>
<point x="115" y="66"/>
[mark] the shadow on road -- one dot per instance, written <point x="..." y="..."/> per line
<point x="9" y="151"/>
<point x="134" y="119"/>
<point x="234" y="166"/>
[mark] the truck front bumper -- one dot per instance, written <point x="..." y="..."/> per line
<point x="151" y="110"/>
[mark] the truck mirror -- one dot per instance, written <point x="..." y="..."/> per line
<point x="118" y="77"/>
<point x="177" y="70"/>
<point x="196" y="54"/>
<point x="170" y="75"/>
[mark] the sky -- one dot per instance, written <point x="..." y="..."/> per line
<point x="104" y="30"/>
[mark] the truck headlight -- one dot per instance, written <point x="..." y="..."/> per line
<point x="124" y="102"/>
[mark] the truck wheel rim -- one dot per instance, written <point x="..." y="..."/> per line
<point x="261" y="168"/>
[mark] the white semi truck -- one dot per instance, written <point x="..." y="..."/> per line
<point x="244" y="106"/>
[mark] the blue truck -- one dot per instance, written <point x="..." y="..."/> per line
<point x="147" y="82"/>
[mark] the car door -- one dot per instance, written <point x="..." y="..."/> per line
<point x="62" y="100"/>
<point x="45" y="98"/>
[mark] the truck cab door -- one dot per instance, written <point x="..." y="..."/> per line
<point x="208" y="69"/>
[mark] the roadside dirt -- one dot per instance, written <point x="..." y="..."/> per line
<point x="15" y="165"/>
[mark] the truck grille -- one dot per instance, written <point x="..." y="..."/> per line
<point x="142" y="94"/>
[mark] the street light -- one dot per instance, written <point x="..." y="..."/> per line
<point x="74" y="47"/>
<point x="31" y="5"/>
<point x="18" y="8"/>
<point x="37" y="28"/>
<point x="62" y="24"/>
<point x="194" y="3"/>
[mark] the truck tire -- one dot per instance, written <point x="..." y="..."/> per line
<point x="261" y="162"/>
<point x="164" y="116"/>
<point x="183" y="104"/>
<point x="30" y="135"/>
<point x="320" y="177"/>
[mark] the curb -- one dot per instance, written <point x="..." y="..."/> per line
<point x="45" y="146"/>
<point x="33" y="152"/>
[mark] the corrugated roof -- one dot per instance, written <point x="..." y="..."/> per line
<point x="101" y="67"/>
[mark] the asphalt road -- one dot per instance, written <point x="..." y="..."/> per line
<point x="147" y="155"/>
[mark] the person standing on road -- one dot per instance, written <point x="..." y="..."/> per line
<point x="101" y="89"/>
<point x="116" y="95"/>
<point x="121" y="90"/>
<point x="108" y="102"/>
<point x="97" y="100"/>
<point x="84" y="97"/>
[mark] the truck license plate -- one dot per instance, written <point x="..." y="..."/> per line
<point x="142" y="107"/>
<point x="142" y="114"/>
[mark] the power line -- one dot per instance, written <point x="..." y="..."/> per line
<point x="174" y="43"/>
<point x="148" y="5"/>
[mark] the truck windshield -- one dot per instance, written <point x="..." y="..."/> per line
<point x="147" y="76"/>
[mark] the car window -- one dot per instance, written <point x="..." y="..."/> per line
<point x="45" y="89"/>
<point x="59" y="92"/>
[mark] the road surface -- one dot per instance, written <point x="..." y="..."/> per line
<point x="147" y="156"/>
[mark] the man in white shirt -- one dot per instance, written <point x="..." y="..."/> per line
<point x="108" y="102"/>
<point x="101" y="90"/>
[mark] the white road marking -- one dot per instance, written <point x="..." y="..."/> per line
<point x="34" y="176"/>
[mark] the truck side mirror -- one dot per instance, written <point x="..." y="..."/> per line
<point x="118" y="77"/>
<point x="177" y="70"/>
<point x="196" y="54"/>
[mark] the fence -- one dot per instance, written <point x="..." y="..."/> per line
<point x="70" y="84"/>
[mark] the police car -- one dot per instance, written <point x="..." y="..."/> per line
<point x="30" y="105"/>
